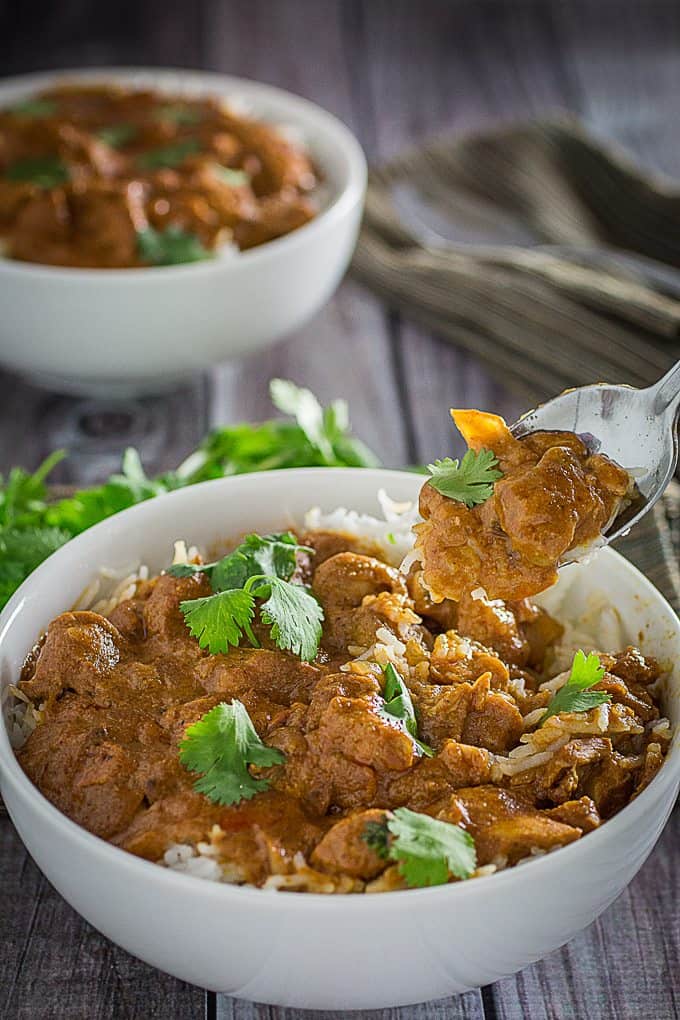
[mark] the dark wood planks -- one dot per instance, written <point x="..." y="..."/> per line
<point x="54" y="966"/>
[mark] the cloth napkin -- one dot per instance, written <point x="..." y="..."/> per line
<point x="548" y="255"/>
<point x="545" y="253"/>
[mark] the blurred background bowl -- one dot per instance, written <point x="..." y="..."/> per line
<point x="134" y="331"/>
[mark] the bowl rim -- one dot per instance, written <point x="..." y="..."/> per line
<point x="345" y="198"/>
<point x="108" y="855"/>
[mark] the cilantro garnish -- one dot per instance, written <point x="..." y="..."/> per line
<point x="116" y="135"/>
<point x="177" y="113"/>
<point x="220" y="620"/>
<point x="35" y="107"/>
<point x="221" y="745"/>
<point x="168" y="155"/>
<point x="398" y="705"/>
<point x="230" y="450"/>
<point x="575" y="695"/>
<point x="427" y="850"/>
<point x="469" y="481"/>
<point x="292" y="612"/>
<point x="234" y="178"/>
<point x="45" y="171"/>
<point x="274" y="555"/>
<point x="259" y="568"/>
<point x="170" y="247"/>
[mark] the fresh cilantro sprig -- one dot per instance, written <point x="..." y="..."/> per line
<point x="399" y="705"/>
<point x="45" y="171"/>
<point x="290" y="610"/>
<point x="427" y="850"/>
<point x="117" y="135"/>
<point x="469" y="481"/>
<point x="576" y="695"/>
<point x="168" y="155"/>
<point x="170" y="247"/>
<point x="34" y="107"/>
<point x="230" y="450"/>
<point x="257" y="554"/>
<point x="259" y="568"/>
<point x="221" y="746"/>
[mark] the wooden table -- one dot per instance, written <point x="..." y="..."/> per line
<point x="395" y="72"/>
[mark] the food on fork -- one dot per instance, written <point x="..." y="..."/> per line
<point x="502" y="520"/>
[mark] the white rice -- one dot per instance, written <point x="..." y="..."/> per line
<point x="392" y="532"/>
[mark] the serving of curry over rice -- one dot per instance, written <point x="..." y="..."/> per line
<point x="339" y="765"/>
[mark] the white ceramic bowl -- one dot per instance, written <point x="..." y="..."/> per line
<point x="140" y="330"/>
<point x="303" y="950"/>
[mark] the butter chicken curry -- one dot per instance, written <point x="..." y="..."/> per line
<point x="108" y="177"/>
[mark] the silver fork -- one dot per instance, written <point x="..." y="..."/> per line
<point x="635" y="427"/>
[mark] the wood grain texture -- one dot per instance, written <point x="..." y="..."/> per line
<point x="396" y="72"/>
<point x="55" y="966"/>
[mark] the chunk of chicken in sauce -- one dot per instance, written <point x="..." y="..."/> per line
<point x="554" y="497"/>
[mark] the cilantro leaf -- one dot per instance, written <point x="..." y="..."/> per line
<point x="469" y="481"/>
<point x="177" y="113"/>
<point x="170" y="247"/>
<point x="21" y="551"/>
<point x="376" y="836"/>
<point x="168" y="155"/>
<point x="308" y="413"/>
<point x="45" y="171"/>
<point x="234" y="178"/>
<point x="22" y="495"/>
<point x="274" y="554"/>
<point x="218" y="621"/>
<point x="399" y="705"/>
<point x="35" y="107"/>
<point x="117" y="135"/>
<point x="189" y="569"/>
<point x="293" y="614"/>
<point x="221" y="745"/>
<point x="575" y="695"/>
<point x="427" y="849"/>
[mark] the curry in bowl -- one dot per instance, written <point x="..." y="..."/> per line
<point x="106" y="176"/>
<point x="309" y="713"/>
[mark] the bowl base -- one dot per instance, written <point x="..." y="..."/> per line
<point x="104" y="388"/>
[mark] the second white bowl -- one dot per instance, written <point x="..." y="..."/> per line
<point x="124" y="331"/>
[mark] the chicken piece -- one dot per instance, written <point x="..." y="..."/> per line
<point x="98" y="765"/>
<point x="342" y="747"/>
<point x="505" y="828"/>
<point x="631" y="666"/>
<point x="433" y="779"/>
<point x="344" y="849"/>
<point x="106" y="219"/>
<point x="80" y="653"/>
<point x="162" y="616"/>
<point x="42" y="228"/>
<point x="471" y="713"/>
<point x="274" y="675"/>
<point x="276" y="215"/>
<point x="538" y="629"/>
<point x="612" y="782"/>
<point x="329" y="543"/>
<point x="349" y="588"/>
<point x="565" y="776"/>
<point x="456" y="659"/>
<point x="582" y="814"/>
<point x="493" y="624"/>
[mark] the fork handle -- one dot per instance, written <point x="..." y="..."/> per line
<point x="665" y="393"/>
